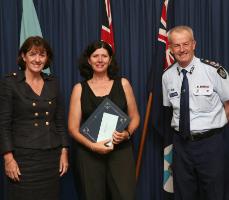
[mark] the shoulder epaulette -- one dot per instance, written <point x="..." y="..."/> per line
<point x="220" y="70"/>
<point x="169" y="66"/>
<point x="12" y="74"/>
<point x="211" y="63"/>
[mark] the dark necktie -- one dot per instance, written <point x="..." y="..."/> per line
<point x="184" y="124"/>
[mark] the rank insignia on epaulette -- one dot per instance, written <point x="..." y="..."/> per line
<point x="222" y="72"/>
<point x="212" y="63"/>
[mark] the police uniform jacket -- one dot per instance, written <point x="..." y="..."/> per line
<point x="28" y="120"/>
<point x="208" y="90"/>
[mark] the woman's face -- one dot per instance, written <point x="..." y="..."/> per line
<point x="99" y="60"/>
<point x="35" y="59"/>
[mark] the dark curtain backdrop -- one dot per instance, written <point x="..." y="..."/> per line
<point x="70" y="25"/>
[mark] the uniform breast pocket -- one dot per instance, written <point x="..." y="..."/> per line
<point x="204" y="101"/>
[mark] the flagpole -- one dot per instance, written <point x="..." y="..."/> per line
<point x="143" y="135"/>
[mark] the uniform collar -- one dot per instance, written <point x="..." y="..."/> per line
<point x="190" y="68"/>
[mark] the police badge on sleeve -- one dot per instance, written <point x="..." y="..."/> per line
<point x="221" y="71"/>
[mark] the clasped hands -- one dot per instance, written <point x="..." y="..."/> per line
<point x="102" y="147"/>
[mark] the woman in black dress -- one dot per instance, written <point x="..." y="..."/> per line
<point x="102" y="172"/>
<point x="33" y="138"/>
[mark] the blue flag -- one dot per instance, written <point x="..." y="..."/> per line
<point x="29" y="23"/>
<point x="162" y="116"/>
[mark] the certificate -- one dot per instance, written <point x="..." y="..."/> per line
<point x="107" y="126"/>
<point x="106" y="118"/>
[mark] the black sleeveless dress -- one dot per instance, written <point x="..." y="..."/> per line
<point x="110" y="176"/>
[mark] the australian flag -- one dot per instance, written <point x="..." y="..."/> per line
<point x="107" y="34"/>
<point x="162" y="116"/>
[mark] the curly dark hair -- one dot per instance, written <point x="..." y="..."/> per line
<point x="37" y="42"/>
<point x="85" y="68"/>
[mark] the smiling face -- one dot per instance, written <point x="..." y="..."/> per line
<point x="182" y="45"/>
<point x="35" y="59"/>
<point x="99" y="60"/>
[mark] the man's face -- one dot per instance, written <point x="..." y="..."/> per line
<point x="182" y="47"/>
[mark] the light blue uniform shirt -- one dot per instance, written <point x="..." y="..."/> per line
<point x="207" y="92"/>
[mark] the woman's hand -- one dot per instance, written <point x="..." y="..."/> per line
<point x="63" y="161"/>
<point x="11" y="167"/>
<point x="102" y="147"/>
<point x="118" y="137"/>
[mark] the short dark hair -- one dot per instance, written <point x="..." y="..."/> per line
<point x="37" y="42"/>
<point x="85" y="68"/>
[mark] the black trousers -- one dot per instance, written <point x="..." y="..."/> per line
<point x="198" y="168"/>
<point x="103" y="177"/>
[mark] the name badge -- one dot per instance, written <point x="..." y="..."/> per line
<point x="173" y="94"/>
<point x="203" y="90"/>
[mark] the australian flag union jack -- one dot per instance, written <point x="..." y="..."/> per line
<point x="161" y="116"/>
<point x="107" y="34"/>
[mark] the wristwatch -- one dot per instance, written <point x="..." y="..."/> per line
<point x="129" y="135"/>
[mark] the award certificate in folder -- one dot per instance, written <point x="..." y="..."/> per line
<point x="106" y="118"/>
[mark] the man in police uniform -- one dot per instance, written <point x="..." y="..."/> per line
<point x="198" y="157"/>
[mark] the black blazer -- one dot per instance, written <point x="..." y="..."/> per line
<point x="28" y="120"/>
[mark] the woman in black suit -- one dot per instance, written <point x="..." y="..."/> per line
<point x="33" y="137"/>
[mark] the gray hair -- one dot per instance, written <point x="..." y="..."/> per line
<point x="179" y="29"/>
